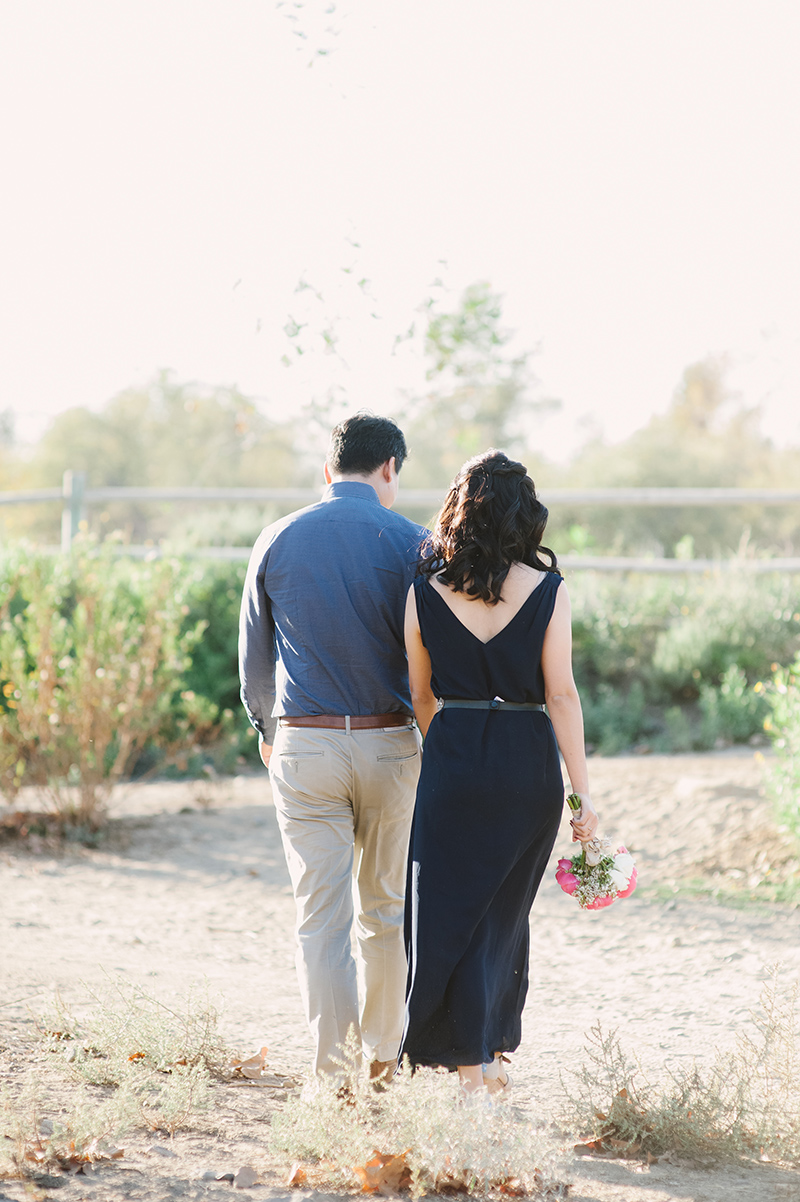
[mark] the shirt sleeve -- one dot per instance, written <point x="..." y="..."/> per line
<point x="257" y="646"/>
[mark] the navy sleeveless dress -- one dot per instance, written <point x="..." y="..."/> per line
<point x="488" y="808"/>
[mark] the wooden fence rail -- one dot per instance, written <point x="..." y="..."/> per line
<point x="75" y="497"/>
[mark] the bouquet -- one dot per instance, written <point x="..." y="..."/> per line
<point x="596" y="875"/>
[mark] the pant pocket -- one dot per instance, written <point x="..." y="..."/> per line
<point x="295" y="761"/>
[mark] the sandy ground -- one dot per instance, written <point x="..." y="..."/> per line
<point x="191" y="886"/>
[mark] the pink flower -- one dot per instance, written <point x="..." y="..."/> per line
<point x="599" y="903"/>
<point x="567" y="880"/>
<point x="631" y="885"/>
<point x="565" y="865"/>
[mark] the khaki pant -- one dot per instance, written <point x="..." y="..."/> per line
<point x="344" y="803"/>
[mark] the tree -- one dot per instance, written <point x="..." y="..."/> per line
<point x="706" y="439"/>
<point x="169" y="434"/>
<point x="480" y="394"/>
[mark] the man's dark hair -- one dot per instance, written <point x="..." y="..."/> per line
<point x="360" y="444"/>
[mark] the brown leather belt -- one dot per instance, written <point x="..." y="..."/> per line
<point x="356" y="721"/>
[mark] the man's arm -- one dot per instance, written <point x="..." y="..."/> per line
<point x="257" y="652"/>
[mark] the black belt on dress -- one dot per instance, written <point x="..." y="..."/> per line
<point x="496" y="704"/>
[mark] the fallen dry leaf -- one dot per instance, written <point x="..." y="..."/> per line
<point x="590" y="1148"/>
<point x="513" y="1187"/>
<point x="254" y="1071"/>
<point x="297" y="1175"/>
<point x="384" y="1173"/>
<point x="451" y="1183"/>
<point x="74" y="1159"/>
<point x="623" y="1145"/>
<point x="256" y="1061"/>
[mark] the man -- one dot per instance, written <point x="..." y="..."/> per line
<point x="321" y="649"/>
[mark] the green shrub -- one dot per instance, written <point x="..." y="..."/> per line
<point x="731" y="713"/>
<point x="616" y="622"/>
<point x="213" y="595"/>
<point x="92" y="655"/>
<point x="727" y="621"/>
<point x="163" y="636"/>
<point x="679" y="731"/>
<point x="782" y="696"/>
<point x="614" y="720"/>
<point x="676" y="633"/>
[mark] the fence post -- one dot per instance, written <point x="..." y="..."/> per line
<point x="72" y="488"/>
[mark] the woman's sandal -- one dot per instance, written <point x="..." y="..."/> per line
<point x="498" y="1084"/>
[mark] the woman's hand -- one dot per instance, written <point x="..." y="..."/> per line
<point x="584" y="821"/>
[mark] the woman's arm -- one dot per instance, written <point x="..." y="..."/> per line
<point x="564" y="708"/>
<point x="419" y="667"/>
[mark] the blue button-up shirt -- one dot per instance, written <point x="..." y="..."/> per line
<point x="321" y="623"/>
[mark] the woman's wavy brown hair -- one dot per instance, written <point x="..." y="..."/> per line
<point x="490" y="519"/>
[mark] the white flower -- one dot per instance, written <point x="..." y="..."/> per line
<point x="619" y="880"/>
<point x="624" y="863"/>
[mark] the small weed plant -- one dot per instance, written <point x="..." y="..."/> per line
<point x="135" y="1061"/>
<point x="746" y="1103"/>
<point x="417" y="1134"/>
<point x="126" y="1025"/>
<point x="84" y="1132"/>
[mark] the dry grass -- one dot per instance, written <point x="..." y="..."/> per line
<point x="416" y="1134"/>
<point x="134" y="1062"/>
<point x="746" y="1104"/>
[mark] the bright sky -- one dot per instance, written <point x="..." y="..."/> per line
<point x="624" y="172"/>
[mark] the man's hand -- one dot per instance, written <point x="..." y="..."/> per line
<point x="265" y="751"/>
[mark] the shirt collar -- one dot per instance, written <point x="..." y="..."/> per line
<point x="350" y="488"/>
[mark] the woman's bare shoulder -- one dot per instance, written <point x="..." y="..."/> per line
<point x="520" y="581"/>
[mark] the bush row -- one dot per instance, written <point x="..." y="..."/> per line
<point x="111" y="666"/>
<point x="668" y="661"/>
<point x="673" y="661"/>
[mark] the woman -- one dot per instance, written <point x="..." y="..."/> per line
<point x="488" y="636"/>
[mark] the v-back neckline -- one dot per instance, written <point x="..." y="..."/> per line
<point x="503" y="629"/>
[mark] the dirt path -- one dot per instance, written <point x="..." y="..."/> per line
<point x="192" y="886"/>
